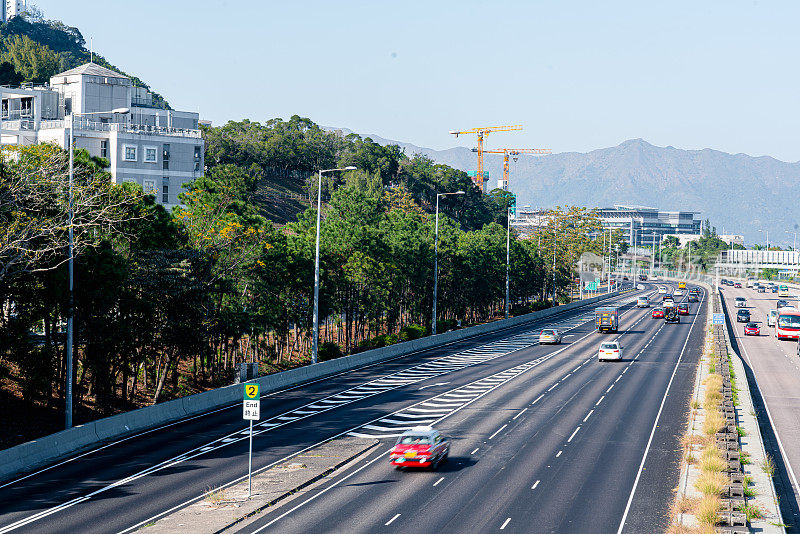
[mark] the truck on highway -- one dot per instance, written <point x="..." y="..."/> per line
<point x="606" y="318"/>
<point x="671" y="313"/>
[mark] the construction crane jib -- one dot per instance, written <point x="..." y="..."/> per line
<point x="514" y="152"/>
<point x="483" y="132"/>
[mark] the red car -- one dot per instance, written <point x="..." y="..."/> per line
<point x="422" y="446"/>
<point x="683" y="309"/>
<point x="752" y="329"/>
<point x="658" y="313"/>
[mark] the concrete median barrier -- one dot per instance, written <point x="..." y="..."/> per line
<point x="38" y="453"/>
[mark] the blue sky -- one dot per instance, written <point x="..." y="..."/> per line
<point x="576" y="75"/>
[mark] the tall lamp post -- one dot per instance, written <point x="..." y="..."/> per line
<point x="508" y="255"/>
<point x="436" y="259"/>
<point x="71" y="258"/>
<point x="315" y="337"/>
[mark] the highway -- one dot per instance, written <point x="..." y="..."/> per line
<point x="776" y="369"/>
<point x="543" y="435"/>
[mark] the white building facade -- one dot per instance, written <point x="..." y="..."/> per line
<point x="13" y="8"/>
<point x="156" y="148"/>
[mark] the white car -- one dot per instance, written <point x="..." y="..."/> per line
<point x="740" y="302"/>
<point x="640" y="287"/>
<point x="772" y="318"/>
<point x="678" y="292"/>
<point x="662" y="289"/>
<point x="550" y="336"/>
<point x="642" y="302"/>
<point x="609" y="350"/>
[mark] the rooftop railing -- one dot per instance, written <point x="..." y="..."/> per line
<point x="82" y="124"/>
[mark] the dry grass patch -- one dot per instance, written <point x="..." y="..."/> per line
<point x="707" y="512"/>
<point x="711" y="484"/>
<point x="713" y="422"/>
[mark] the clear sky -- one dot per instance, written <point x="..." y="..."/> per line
<point x="576" y="75"/>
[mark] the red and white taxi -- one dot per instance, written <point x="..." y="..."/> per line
<point x="422" y="446"/>
<point x="658" y="313"/>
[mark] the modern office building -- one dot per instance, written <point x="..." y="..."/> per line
<point x="158" y="149"/>
<point x="642" y="226"/>
<point x="12" y="8"/>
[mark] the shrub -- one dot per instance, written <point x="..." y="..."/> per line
<point x="412" y="331"/>
<point x="329" y="351"/>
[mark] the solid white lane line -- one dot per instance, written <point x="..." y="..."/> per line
<point x="559" y="454"/>
<point x="498" y="431"/>
<point x="476" y="450"/>
<point x="520" y="413"/>
<point x="437" y="482"/>
<point x="505" y="523"/>
<point x="573" y="434"/>
<point x="389" y="522"/>
<point x="535" y="484"/>
<point x="537" y="399"/>
<point x="587" y="415"/>
<point x="655" y="423"/>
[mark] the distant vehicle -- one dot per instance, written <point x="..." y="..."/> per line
<point x="640" y="286"/>
<point x="643" y="277"/>
<point x="658" y="313"/>
<point x="740" y="302"/>
<point x="606" y="318"/>
<point x="752" y="329"/>
<point x="550" y="336"/>
<point x="774" y="289"/>
<point x="788" y="325"/>
<point x="743" y="316"/>
<point x="737" y="284"/>
<point x="642" y="302"/>
<point x="624" y="277"/>
<point x="761" y="289"/>
<point x="772" y="318"/>
<point x="667" y="298"/>
<point x="694" y="295"/>
<point x="781" y="304"/>
<point x="681" y="285"/>
<point x="662" y="289"/>
<point x="678" y="292"/>
<point x="723" y="282"/>
<point x="683" y="308"/>
<point x="750" y="282"/>
<point x="783" y="290"/>
<point x="671" y="313"/>
<point x="609" y="350"/>
<point x="422" y="446"/>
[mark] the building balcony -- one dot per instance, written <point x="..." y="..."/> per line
<point x="82" y="124"/>
<point x="17" y="125"/>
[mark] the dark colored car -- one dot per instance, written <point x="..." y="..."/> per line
<point x="743" y="316"/>
<point x="666" y="297"/>
<point x="683" y="308"/>
<point x="781" y="304"/>
<point x="774" y="289"/>
<point x="752" y="329"/>
<point x="658" y="313"/>
<point x="421" y="446"/>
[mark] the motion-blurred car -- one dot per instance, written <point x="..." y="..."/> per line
<point x="683" y="308"/>
<point x="752" y="329"/>
<point x="422" y="446"/>
<point x="740" y="302"/>
<point x="609" y="350"/>
<point x="550" y="336"/>
<point x="678" y="292"/>
<point x="658" y="313"/>
<point x="781" y="304"/>
<point x="662" y="289"/>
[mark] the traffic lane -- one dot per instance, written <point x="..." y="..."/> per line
<point x="134" y="454"/>
<point x="530" y="401"/>
<point x="196" y="476"/>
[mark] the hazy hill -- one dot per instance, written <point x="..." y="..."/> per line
<point x="739" y="193"/>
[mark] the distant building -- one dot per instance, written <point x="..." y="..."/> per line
<point x="158" y="149"/>
<point x="12" y="8"/>
<point x="642" y="226"/>
<point x="732" y="239"/>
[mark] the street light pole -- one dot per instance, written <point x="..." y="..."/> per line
<point x="508" y="256"/>
<point x="315" y="336"/>
<point x="555" y="243"/>
<point x="71" y="261"/>
<point x="436" y="260"/>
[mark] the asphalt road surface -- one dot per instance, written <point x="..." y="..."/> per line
<point x="541" y="435"/>
<point x="776" y="369"/>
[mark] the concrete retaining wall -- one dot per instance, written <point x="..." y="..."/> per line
<point x="48" y="449"/>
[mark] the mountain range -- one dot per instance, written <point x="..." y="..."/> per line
<point x="739" y="194"/>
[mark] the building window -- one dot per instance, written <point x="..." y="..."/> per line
<point x="150" y="187"/>
<point x="165" y="156"/>
<point x="68" y="106"/>
<point x="165" y="194"/>
<point x="150" y="154"/>
<point x="4" y="113"/>
<point x="104" y="148"/>
<point x="129" y="152"/>
<point x="26" y="107"/>
<point x="197" y="156"/>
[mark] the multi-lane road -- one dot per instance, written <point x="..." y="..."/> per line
<point x="775" y="368"/>
<point x="541" y="435"/>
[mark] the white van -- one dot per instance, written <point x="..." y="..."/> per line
<point x="642" y="302"/>
<point x="772" y="319"/>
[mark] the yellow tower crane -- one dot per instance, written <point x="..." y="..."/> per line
<point x="483" y="132"/>
<point x="513" y="152"/>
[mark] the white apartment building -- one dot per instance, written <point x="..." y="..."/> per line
<point x="158" y="149"/>
<point x="12" y="8"/>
